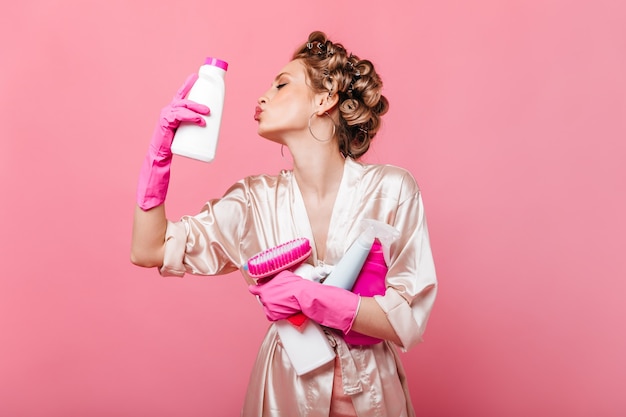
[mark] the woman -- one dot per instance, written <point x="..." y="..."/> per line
<point x="325" y="106"/>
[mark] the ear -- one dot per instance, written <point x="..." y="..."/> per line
<point x="325" y="102"/>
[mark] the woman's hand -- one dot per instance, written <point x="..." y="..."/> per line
<point x="155" y="171"/>
<point x="287" y="294"/>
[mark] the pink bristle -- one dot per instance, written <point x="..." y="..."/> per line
<point x="273" y="260"/>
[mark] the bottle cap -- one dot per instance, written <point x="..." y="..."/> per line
<point x="216" y="62"/>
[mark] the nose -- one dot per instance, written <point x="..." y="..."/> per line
<point x="265" y="97"/>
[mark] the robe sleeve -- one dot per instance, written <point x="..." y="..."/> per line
<point x="209" y="242"/>
<point x="411" y="278"/>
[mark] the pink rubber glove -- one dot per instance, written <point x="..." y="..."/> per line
<point x="370" y="282"/>
<point x="154" y="176"/>
<point x="287" y="294"/>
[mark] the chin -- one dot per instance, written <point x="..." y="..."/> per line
<point x="269" y="136"/>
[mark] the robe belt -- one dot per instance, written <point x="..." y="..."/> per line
<point x="350" y="376"/>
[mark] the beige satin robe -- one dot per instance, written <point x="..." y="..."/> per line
<point x="263" y="211"/>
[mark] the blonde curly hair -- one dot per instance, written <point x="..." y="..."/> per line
<point x="361" y="104"/>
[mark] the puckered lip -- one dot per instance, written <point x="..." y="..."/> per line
<point x="257" y="113"/>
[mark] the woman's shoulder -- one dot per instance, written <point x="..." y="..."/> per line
<point x="387" y="175"/>
<point x="268" y="179"/>
<point x="261" y="183"/>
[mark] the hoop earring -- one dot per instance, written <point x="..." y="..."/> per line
<point x="281" y="150"/>
<point x="313" y="134"/>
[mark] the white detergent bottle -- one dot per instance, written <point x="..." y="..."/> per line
<point x="200" y="142"/>
<point x="308" y="347"/>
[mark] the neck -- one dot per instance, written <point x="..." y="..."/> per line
<point x="319" y="172"/>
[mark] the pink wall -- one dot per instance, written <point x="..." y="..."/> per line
<point x="511" y="114"/>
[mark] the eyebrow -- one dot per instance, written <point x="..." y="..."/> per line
<point x="280" y="75"/>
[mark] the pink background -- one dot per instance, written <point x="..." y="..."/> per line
<point x="511" y="115"/>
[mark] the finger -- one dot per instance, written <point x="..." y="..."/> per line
<point x="254" y="290"/>
<point x="197" y="107"/>
<point x="184" y="89"/>
<point x="186" y="115"/>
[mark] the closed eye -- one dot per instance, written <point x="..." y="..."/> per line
<point x="279" y="86"/>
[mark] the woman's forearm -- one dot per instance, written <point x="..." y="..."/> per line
<point x="148" y="239"/>
<point x="371" y="320"/>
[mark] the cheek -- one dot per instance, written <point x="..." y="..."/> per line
<point x="295" y="115"/>
<point x="288" y="115"/>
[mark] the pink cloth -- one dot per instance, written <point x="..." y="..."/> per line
<point x="371" y="281"/>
